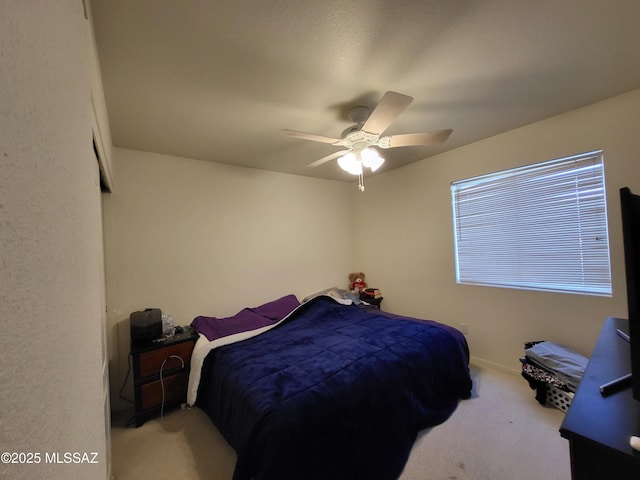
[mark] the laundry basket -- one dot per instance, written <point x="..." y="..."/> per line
<point x="557" y="398"/>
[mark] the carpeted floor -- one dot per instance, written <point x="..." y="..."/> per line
<point x="501" y="433"/>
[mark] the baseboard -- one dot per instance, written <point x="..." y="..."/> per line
<point x="486" y="363"/>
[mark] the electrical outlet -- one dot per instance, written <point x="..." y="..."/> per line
<point x="464" y="328"/>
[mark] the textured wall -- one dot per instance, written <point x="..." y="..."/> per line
<point x="51" y="392"/>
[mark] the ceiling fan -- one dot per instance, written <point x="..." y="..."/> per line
<point x="360" y="138"/>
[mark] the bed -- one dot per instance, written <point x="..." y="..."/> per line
<point x="326" y="389"/>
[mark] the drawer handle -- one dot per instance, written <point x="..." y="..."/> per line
<point x="162" y="382"/>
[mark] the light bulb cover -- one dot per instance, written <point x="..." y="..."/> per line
<point x="371" y="158"/>
<point x="350" y="164"/>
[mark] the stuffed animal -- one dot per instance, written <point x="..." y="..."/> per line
<point x="356" y="282"/>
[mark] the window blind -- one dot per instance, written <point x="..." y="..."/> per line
<point x="541" y="227"/>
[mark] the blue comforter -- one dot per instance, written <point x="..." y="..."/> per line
<point x="335" y="392"/>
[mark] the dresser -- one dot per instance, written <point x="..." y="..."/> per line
<point x="599" y="427"/>
<point x="161" y="374"/>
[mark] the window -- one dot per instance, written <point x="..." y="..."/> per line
<point x="539" y="227"/>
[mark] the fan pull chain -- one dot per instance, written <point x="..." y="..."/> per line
<point x="361" y="182"/>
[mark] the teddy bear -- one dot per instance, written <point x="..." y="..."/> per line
<point x="356" y="282"/>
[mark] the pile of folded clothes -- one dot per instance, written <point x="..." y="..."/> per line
<point x="553" y="371"/>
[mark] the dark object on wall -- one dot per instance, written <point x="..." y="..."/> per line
<point x="146" y="325"/>
<point x="630" y="210"/>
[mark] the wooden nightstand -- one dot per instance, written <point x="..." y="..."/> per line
<point x="173" y="357"/>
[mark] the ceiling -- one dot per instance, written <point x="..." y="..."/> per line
<point x="219" y="80"/>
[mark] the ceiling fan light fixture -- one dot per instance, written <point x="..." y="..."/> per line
<point x="349" y="163"/>
<point x="358" y="140"/>
<point x="371" y="159"/>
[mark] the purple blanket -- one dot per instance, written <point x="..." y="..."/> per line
<point x="246" y="319"/>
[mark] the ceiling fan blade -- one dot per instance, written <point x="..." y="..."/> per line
<point x="317" y="163"/>
<point x="311" y="136"/>
<point x="391" y="105"/>
<point x="408" y="139"/>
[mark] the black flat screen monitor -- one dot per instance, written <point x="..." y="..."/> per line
<point x="630" y="210"/>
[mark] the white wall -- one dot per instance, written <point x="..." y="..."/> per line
<point x="198" y="238"/>
<point x="407" y="246"/>
<point x="51" y="296"/>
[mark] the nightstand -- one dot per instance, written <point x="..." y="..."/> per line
<point x="172" y="358"/>
<point x="373" y="301"/>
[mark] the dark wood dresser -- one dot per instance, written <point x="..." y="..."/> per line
<point x="172" y="359"/>
<point x="599" y="427"/>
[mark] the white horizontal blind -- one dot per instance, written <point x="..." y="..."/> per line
<point x="540" y="227"/>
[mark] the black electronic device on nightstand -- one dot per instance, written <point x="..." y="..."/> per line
<point x="146" y="325"/>
<point x="161" y="373"/>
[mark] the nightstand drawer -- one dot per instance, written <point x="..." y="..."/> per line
<point x="175" y="389"/>
<point x="150" y="362"/>
<point x="173" y="356"/>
